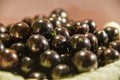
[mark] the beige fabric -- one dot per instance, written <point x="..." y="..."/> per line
<point x="9" y="76"/>
<point x="109" y="72"/>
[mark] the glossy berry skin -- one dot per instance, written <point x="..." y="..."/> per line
<point x="62" y="31"/>
<point x="91" y="24"/>
<point x="49" y="59"/>
<point x="115" y="45"/>
<point x="99" y="52"/>
<point x="6" y="39"/>
<point x="20" y="31"/>
<point x="68" y="25"/>
<point x="8" y="27"/>
<point x="2" y="46"/>
<point x="8" y="59"/>
<point x="20" y="49"/>
<point x="60" y="15"/>
<point x="61" y="71"/>
<point x="113" y="33"/>
<point x="102" y="37"/>
<point x="59" y="44"/>
<point x="3" y="29"/>
<point x="36" y="75"/>
<point x="84" y="28"/>
<point x="27" y="64"/>
<point x="75" y="27"/>
<point x="27" y="20"/>
<point x="38" y="16"/>
<point x="65" y="58"/>
<point x="55" y="22"/>
<point x="80" y="28"/>
<point x="43" y="27"/>
<point x="79" y="42"/>
<point x="64" y="21"/>
<point x="110" y="55"/>
<point x="93" y="40"/>
<point x="37" y="44"/>
<point x="85" y="60"/>
<point x="59" y="12"/>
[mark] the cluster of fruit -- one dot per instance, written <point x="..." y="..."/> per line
<point x="56" y="47"/>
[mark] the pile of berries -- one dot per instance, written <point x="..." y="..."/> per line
<point x="56" y="47"/>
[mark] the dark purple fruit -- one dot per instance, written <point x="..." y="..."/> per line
<point x="20" y="31"/>
<point x="37" y="44"/>
<point x="99" y="52"/>
<point x="115" y="45"/>
<point x="110" y="55"/>
<point x="84" y="28"/>
<point x="59" y="44"/>
<point x="20" y="48"/>
<point x="61" y="71"/>
<point x="64" y="21"/>
<point x="65" y="58"/>
<point x="80" y="28"/>
<point x="85" y="60"/>
<point x="36" y="76"/>
<point x="55" y="22"/>
<point x="8" y="27"/>
<point x="8" y="59"/>
<point x="27" y="20"/>
<point x="79" y="42"/>
<point x="6" y="39"/>
<point x="43" y="27"/>
<point x="3" y="29"/>
<point x="60" y="15"/>
<point x="75" y="27"/>
<point x="49" y="58"/>
<point x="91" y="24"/>
<point x="68" y="25"/>
<point x="2" y="46"/>
<point x="38" y="16"/>
<point x="58" y="12"/>
<point x="113" y="33"/>
<point x="93" y="40"/>
<point x="102" y="37"/>
<point x="27" y="64"/>
<point x="62" y="31"/>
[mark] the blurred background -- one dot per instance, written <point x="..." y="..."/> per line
<point x="101" y="11"/>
